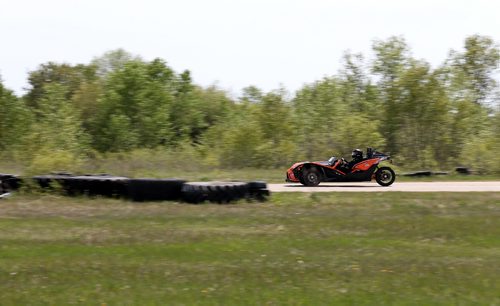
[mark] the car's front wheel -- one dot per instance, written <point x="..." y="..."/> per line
<point x="311" y="177"/>
<point x="385" y="176"/>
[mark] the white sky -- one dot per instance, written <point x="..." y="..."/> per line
<point x="233" y="43"/>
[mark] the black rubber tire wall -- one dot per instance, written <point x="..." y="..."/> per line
<point x="215" y="192"/>
<point x="144" y="189"/>
<point x="9" y="182"/>
<point x="257" y="190"/>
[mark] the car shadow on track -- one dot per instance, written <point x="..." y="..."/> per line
<point x="336" y="186"/>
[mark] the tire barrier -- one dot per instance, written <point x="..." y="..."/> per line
<point x="418" y="174"/>
<point x="53" y="181"/>
<point x="99" y="185"/>
<point x="215" y="192"/>
<point x="9" y="182"/>
<point x="463" y="170"/>
<point x="91" y="185"/>
<point x="154" y="189"/>
<point x="257" y="190"/>
<point x="441" y="173"/>
<point x="424" y="173"/>
<point x="143" y="189"/>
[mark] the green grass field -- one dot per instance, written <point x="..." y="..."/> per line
<point x="297" y="249"/>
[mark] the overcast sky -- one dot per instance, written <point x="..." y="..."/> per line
<point x="233" y="43"/>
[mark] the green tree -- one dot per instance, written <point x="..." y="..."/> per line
<point x="112" y="61"/>
<point x="213" y="105"/>
<point x="481" y="152"/>
<point x="85" y="101"/>
<point x="423" y="136"/>
<point x="357" y="91"/>
<point x="475" y="67"/>
<point x="187" y="117"/>
<point x="69" y="76"/>
<point x="468" y="77"/>
<point x="56" y="139"/>
<point x="391" y="59"/>
<point x="135" y="107"/>
<point x="15" y="119"/>
<point x="251" y="94"/>
<point x="58" y="125"/>
<point x="318" y="107"/>
<point x="275" y="118"/>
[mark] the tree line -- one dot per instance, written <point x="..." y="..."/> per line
<point x="425" y="117"/>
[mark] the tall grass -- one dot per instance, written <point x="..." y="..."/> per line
<point x="298" y="249"/>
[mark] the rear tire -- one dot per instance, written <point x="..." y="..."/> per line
<point x="385" y="176"/>
<point x="311" y="177"/>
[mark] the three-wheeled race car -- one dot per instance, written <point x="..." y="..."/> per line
<point x="362" y="169"/>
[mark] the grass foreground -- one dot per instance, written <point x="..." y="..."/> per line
<point x="296" y="249"/>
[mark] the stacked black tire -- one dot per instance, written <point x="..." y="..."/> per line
<point x="224" y="192"/>
<point x="215" y="192"/>
<point x="154" y="189"/>
<point x="9" y="182"/>
<point x="90" y="185"/>
<point x="257" y="190"/>
<point x="99" y="185"/>
<point x="144" y="189"/>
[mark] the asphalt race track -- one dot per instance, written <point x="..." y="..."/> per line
<point x="486" y="186"/>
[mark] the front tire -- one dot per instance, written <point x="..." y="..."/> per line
<point x="311" y="177"/>
<point x="385" y="176"/>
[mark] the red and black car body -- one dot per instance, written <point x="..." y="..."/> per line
<point x="338" y="170"/>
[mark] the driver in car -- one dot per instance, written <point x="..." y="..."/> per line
<point x="357" y="156"/>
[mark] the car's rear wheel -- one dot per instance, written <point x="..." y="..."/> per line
<point x="385" y="176"/>
<point x="311" y="177"/>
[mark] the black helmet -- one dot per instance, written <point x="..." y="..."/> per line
<point x="357" y="154"/>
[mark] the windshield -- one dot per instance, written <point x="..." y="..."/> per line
<point x="332" y="160"/>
